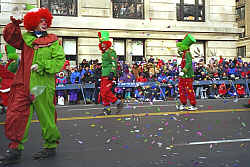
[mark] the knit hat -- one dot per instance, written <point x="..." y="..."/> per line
<point x="186" y="42"/>
<point x="61" y="74"/>
<point x="33" y="17"/>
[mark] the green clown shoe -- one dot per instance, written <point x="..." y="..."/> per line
<point x="186" y="42"/>
<point x="103" y="36"/>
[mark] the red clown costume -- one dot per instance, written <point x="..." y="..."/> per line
<point x="186" y="74"/>
<point x="7" y="73"/>
<point x="33" y="88"/>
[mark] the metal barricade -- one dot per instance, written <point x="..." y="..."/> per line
<point x="143" y="84"/>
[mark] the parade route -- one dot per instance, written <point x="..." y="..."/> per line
<point x="146" y="135"/>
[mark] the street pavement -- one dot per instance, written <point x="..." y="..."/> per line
<point x="146" y="135"/>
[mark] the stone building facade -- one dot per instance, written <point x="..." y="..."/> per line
<point x="140" y="28"/>
<point x="243" y="20"/>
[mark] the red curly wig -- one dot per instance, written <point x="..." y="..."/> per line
<point x="32" y="18"/>
<point x="105" y="45"/>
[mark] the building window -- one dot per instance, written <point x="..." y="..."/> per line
<point x="241" y="51"/>
<point x="240" y="13"/>
<point x="61" y="7"/>
<point x="70" y="50"/>
<point x="120" y="48"/>
<point x="243" y="34"/>
<point x="129" y="49"/>
<point x="128" y="9"/>
<point x="137" y="50"/>
<point x="190" y="10"/>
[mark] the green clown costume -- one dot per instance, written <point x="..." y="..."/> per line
<point x="109" y="57"/>
<point x="109" y="67"/>
<point x="42" y="57"/>
<point x="186" y="74"/>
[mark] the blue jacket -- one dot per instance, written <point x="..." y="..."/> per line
<point x="75" y="75"/>
<point x="161" y="78"/>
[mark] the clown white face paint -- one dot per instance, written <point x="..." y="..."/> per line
<point x="43" y="26"/>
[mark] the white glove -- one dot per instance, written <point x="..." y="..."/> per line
<point x="5" y="90"/>
<point x="181" y="74"/>
<point x="34" y="67"/>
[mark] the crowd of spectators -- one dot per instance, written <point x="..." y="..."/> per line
<point x="164" y="73"/>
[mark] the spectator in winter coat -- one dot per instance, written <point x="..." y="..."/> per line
<point x="245" y="71"/>
<point x="74" y="79"/>
<point x="141" y="78"/>
<point x="163" y="79"/>
<point x="224" y="76"/>
<point x="232" y="72"/>
<point x="97" y="78"/>
<point x="84" y="63"/>
<point x="222" y="90"/>
<point x="213" y="91"/>
<point x="87" y="79"/>
<point x="139" y="93"/>
<point x="127" y="77"/>
<point x="60" y="81"/>
<point x="232" y="92"/>
<point x="85" y="69"/>
<point x="226" y="68"/>
<point x="136" y="70"/>
<point x="151" y="78"/>
<point x="160" y="63"/>
<point x="151" y="59"/>
<point x="240" y="90"/>
<point x="221" y="60"/>
<point x="220" y="70"/>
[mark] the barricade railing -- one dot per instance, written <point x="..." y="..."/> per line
<point x="143" y="84"/>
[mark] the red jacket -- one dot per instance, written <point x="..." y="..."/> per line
<point x="141" y="79"/>
<point x="240" y="89"/>
<point x="222" y="89"/>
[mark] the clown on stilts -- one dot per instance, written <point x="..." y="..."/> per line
<point x="186" y="74"/>
<point x="42" y="57"/>
<point x="109" y="67"/>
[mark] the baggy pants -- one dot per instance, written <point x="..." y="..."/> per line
<point x="186" y="91"/>
<point x="18" y="122"/>
<point x="106" y="93"/>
